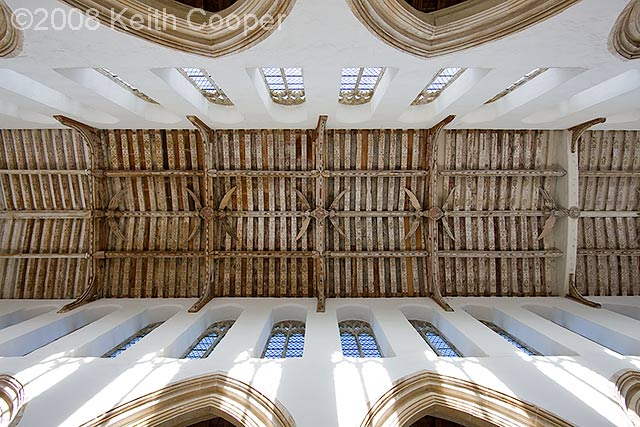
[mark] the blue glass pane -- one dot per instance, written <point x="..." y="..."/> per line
<point x="200" y="349"/>
<point x="443" y="348"/>
<point x="368" y="345"/>
<point x="516" y="344"/>
<point x="131" y="341"/>
<point x="275" y="346"/>
<point x="295" y="347"/>
<point x="349" y="345"/>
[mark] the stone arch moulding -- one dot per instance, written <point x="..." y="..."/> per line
<point x="195" y="400"/>
<point x="460" y="401"/>
<point x="11" y="398"/>
<point x="628" y="384"/>
<point x="10" y="34"/>
<point x="625" y="37"/>
<point x="456" y="28"/>
<point x="188" y="29"/>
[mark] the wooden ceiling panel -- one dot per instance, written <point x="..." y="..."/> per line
<point x="309" y="213"/>
<point x="493" y="201"/>
<point x="609" y="227"/>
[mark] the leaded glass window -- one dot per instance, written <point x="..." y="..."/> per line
<point x="286" y="85"/>
<point x="357" y="85"/>
<point x="524" y="79"/>
<point x="207" y="86"/>
<point x="131" y="341"/>
<point x="437" y="85"/>
<point x="208" y="341"/>
<point x="438" y="343"/>
<point x="286" y="340"/>
<point x="511" y="339"/>
<point x="358" y="340"/>
<point x="125" y="84"/>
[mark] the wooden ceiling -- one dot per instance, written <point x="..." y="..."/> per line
<point x="308" y="213"/>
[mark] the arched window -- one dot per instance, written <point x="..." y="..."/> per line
<point x="511" y="339"/>
<point x="435" y="339"/>
<point x="208" y="341"/>
<point x="357" y="85"/>
<point x="285" y="85"/>
<point x="126" y="85"/>
<point x="358" y="340"/>
<point x="286" y="340"/>
<point x="523" y="80"/>
<point x="437" y="85"/>
<point x="129" y="342"/>
<point x="207" y="86"/>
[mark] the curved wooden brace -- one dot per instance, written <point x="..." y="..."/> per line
<point x="90" y="294"/>
<point x="625" y="37"/>
<point x="11" y="37"/>
<point x="579" y="130"/>
<point x="575" y="294"/>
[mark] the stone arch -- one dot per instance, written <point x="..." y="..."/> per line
<point x="189" y="29"/>
<point x="10" y="34"/>
<point x="456" y="28"/>
<point x="628" y="384"/>
<point x="11" y="399"/>
<point x="198" y="399"/>
<point x="457" y="400"/>
<point x="625" y="37"/>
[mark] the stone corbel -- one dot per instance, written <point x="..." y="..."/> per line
<point x="625" y="37"/>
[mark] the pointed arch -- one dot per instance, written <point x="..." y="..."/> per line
<point x="191" y="30"/>
<point x="198" y="399"/>
<point x="628" y="384"/>
<point x="10" y="34"/>
<point x="625" y="37"/>
<point x="457" y="400"/>
<point x="456" y="28"/>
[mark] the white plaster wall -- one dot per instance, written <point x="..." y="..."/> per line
<point x="322" y="36"/>
<point x="323" y="388"/>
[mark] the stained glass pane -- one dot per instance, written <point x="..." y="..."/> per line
<point x="368" y="345"/>
<point x="524" y="79"/>
<point x="511" y="339"/>
<point x="275" y="346"/>
<point x="203" y="81"/>
<point x="357" y="85"/>
<point x="435" y="339"/>
<point x="438" y="84"/>
<point x="125" y="84"/>
<point x="131" y="341"/>
<point x="295" y="346"/>
<point x="286" y="85"/>
<point x="286" y="340"/>
<point x="349" y="345"/>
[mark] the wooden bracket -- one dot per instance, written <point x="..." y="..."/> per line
<point x="435" y="131"/>
<point x="441" y="301"/>
<point x="90" y="134"/>
<point x="203" y="300"/>
<point x="575" y="294"/>
<point x="203" y="128"/>
<point x="579" y="130"/>
<point x="89" y="295"/>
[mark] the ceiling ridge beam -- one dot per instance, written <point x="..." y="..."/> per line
<point x="437" y="141"/>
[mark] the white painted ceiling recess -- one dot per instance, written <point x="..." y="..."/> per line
<point x="586" y="79"/>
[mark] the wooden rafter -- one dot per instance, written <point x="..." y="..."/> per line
<point x="320" y="193"/>
<point x="207" y="139"/>
<point x="434" y="255"/>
